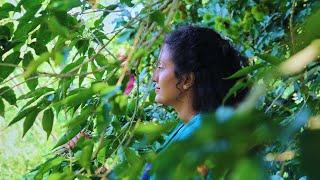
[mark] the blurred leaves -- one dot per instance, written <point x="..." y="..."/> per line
<point x="69" y="58"/>
<point x="158" y="17"/>
<point x="247" y="169"/>
<point x="86" y="154"/>
<point x="309" y="152"/>
<point x="33" y="66"/>
<point x="309" y="31"/>
<point x="245" y="71"/>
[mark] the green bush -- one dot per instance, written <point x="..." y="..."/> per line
<point x="70" y="54"/>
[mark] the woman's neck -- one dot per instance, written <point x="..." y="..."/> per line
<point x="184" y="109"/>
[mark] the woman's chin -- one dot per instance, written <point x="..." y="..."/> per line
<point x="158" y="100"/>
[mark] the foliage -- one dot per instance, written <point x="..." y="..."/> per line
<point x="73" y="68"/>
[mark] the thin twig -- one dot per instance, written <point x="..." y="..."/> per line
<point x="10" y="65"/>
<point x="291" y="26"/>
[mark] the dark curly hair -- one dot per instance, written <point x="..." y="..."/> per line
<point x="202" y="51"/>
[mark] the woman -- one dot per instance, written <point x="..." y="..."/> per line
<point x="191" y="77"/>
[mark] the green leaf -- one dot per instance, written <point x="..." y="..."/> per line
<point x="139" y="54"/>
<point x="57" y="28"/>
<point x="310" y="30"/>
<point x="1" y="108"/>
<point x="80" y="119"/>
<point x="158" y="17"/>
<point x="245" y="71"/>
<point x="131" y="160"/>
<point x="82" y="177"/>
<point x="59" y="176"/>
<point x="119" y="105"/>
<point x="33" y="66"/>
<point x="27" y="58"/>
<point x="105" y="90"/>
<point x="83" y="70"/>
<point x="30" y="5"/>
<point x="75" y="99"/>
<point x="69" y="21"/>
<point x="99" y="35"/>
<point x="71" y="66"/>
<point x="309" y="153"/>
<point x="82" y="45"/>
<point x="5" y="9"/>
<point x="36" y="93"/>
<point x="5" y="33"/>
<point x="59" y="45"/>
<point x="270" y="59"/>
<point x="98" y="75"/>
<point x="38" y="47"/>
<point x="85" y="157"/>
<point x="62" y="5"/>
<point x="101" y="60"/>
<point x="22" y="114"/>
<point x="247" y="169"/>
<point x="43" y="36"/>
<point x="11" y="59"/>
<point x="8" y="94"/>
<point x="47" y="121"/>
<point x="32" y="82"/>
<point x="45" y="167"/>
<point x="239" y="85"/>
<point x="127" y="2"/>
<point x="71" y="133"/>
<point x="111" y="7"/>
<point x="101" y="157"/>
<point x="125" y="35"/>
<point x="26" y="24"/>
<point x="152" y="130"/>
<point x="28" y="122"/>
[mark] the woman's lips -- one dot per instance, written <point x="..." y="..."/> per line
<point x="157" y="90"/>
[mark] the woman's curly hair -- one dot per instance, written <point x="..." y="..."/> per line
<point x="211" y="58"/>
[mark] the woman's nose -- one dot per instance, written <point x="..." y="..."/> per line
<point x="155" y="76"/>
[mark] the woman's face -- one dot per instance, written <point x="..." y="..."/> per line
<point x="165" y="79"/>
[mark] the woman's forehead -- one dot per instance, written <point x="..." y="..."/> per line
<point x="165" y="55"/>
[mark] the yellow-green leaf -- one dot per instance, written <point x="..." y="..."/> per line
<point x="86" y="154"/>
<point x="33" y="65"/>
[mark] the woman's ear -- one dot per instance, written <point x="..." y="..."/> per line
<point x="188" y="80"/>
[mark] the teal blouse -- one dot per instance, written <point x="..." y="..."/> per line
<point x="182" y="131"/>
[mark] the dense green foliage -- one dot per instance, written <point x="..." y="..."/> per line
<point x="71" y="61"/>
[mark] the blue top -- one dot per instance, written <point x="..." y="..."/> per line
<point x="181" y="132"/>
